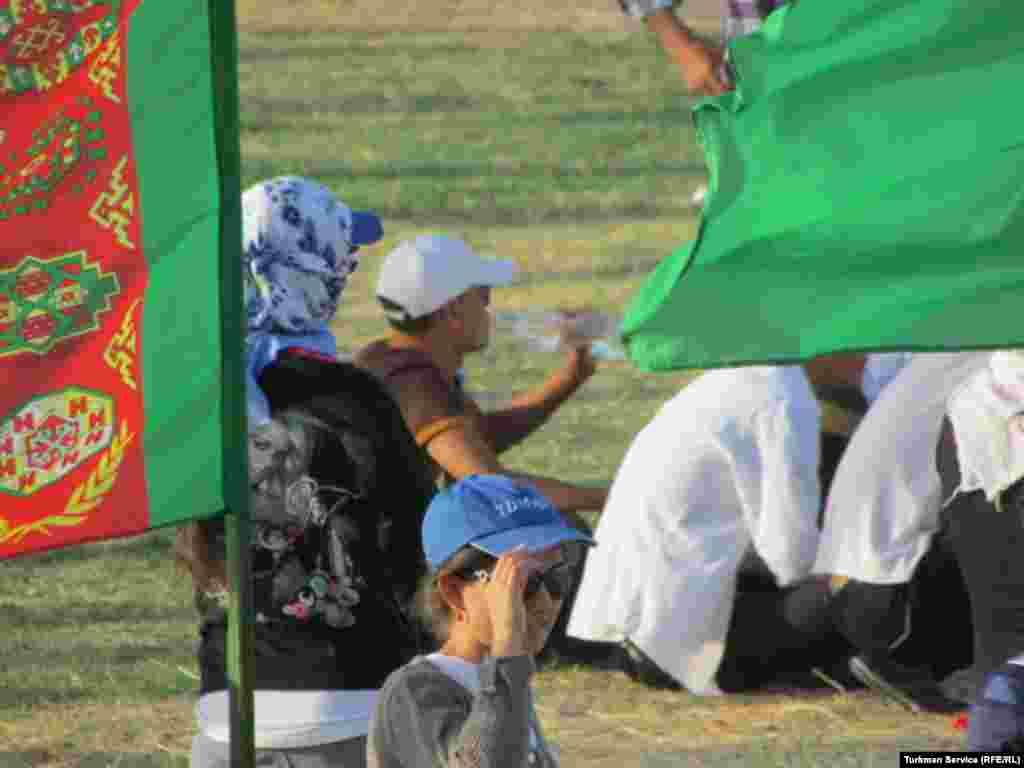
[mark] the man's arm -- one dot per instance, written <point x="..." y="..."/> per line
<point x="463" y="451"/>
<point x="507" y="425"/>
<point x="699" y="62"/>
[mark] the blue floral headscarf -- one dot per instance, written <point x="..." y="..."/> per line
<point x="299" y="248"/>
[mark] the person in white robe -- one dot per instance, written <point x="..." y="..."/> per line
<point x="730" y="462"/>
<point x="883" y="505"/>
<point x="980" y="459"/>
<point x="879" y="369"/>
<point x="880" y="523"/>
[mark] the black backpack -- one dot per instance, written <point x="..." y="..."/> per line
<point x="333" y="583"/>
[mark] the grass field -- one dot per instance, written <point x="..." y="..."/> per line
<point x="560" y="138"/>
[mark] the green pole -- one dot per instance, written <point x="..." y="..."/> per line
<point x="224" y="53"/>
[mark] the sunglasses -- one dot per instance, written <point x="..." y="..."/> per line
<point x="557" y="579"/>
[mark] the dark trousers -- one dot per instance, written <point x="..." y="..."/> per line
<point x="925" y="622"/>
<point x="560" y="645"/>
<point x="989" y="546"/>
<point x="777" y="636"/>
<point x="768" y="642"/>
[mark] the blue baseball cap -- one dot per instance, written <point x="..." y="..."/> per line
<point x="495" y="514"/>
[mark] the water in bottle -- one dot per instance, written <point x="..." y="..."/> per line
<point x="554" y="330"/>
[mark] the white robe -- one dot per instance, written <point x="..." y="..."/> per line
<point x="730" y="461"/>
<point x="879" y="369"/>
<point x="987" y="414"/>
<point x="883" y="505"/>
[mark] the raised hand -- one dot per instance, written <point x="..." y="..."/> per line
<point x="701" y="64"/>
<point x="504" y="597"/>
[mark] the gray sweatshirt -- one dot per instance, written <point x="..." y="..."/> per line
<point x="425" y="719"/>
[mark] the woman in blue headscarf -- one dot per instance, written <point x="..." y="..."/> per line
<point x="338" y="492"/>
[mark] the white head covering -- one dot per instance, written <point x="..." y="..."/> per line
<point x="987" y="414"/>
<point x="299" y="248"/>
<point x="299" y="245"/>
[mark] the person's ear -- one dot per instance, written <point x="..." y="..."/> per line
<point x="450" y="587"/>
<point x="452" y="312"/>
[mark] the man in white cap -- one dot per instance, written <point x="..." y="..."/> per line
<point x="435" y="292"/>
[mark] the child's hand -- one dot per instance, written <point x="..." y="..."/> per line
<point x="505" y="601"/>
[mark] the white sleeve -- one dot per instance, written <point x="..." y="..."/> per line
<point x="784" y="525"/>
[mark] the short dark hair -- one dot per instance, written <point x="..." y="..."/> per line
<point x="400" y="320"/>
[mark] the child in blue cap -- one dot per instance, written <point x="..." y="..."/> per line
<point x="500" y="565"/>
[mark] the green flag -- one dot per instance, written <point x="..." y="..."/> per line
<point x="120" y="297"/>
<point x="866" y="191"/>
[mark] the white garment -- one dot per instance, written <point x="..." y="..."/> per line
<point x="292" y="719"/>
<point x="987" y="414"/>
<point x="730" y="461"/>
<point x="465" y="673"/>
<point x="879" y="369"/>
<point x="883" y="505"/>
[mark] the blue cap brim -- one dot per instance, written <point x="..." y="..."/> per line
<point x="534" y="538"/>
<point x="366" y="228"/>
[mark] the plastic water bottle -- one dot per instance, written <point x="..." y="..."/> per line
<point x="554" y="331"/>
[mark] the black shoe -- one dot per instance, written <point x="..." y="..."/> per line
<point x="961" y="685"/>
<point x="913" y="688"/>
<point x="640" y="668"/>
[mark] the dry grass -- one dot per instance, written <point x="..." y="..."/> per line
<point x="60" y="736"/>
<point x="599" y="719"/>
<point x="604" y="714"/>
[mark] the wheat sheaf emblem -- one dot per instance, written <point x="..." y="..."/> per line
<point x="88" y="495"/>
<point x="90" y="492"/>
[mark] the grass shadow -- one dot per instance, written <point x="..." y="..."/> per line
<point x="284" y="46"/>
<point x="155" y="544"/>
<point x="364" y="103"/>
<point x="114" y="655"/>
<point x="446" y="171"/>
<point x="97" y="613"/>
<point x="16" y="697"/>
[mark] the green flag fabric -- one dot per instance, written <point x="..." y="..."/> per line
<point x="866" y="191"/>
<point x="120" y="296"/>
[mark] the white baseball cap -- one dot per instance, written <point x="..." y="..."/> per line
<point x="424" y="274"/>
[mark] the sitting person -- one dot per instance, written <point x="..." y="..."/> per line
<point x="338" y="492"/>
<point x="729" y="463"/>
<point x="842" y="406"/>
<point x="980" y="460"/>
<point x="890" y="581"/>
<point x="435" y="292"/>
<point x="498" y="573"/>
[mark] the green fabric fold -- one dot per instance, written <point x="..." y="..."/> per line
<point x="866" y="191"/>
